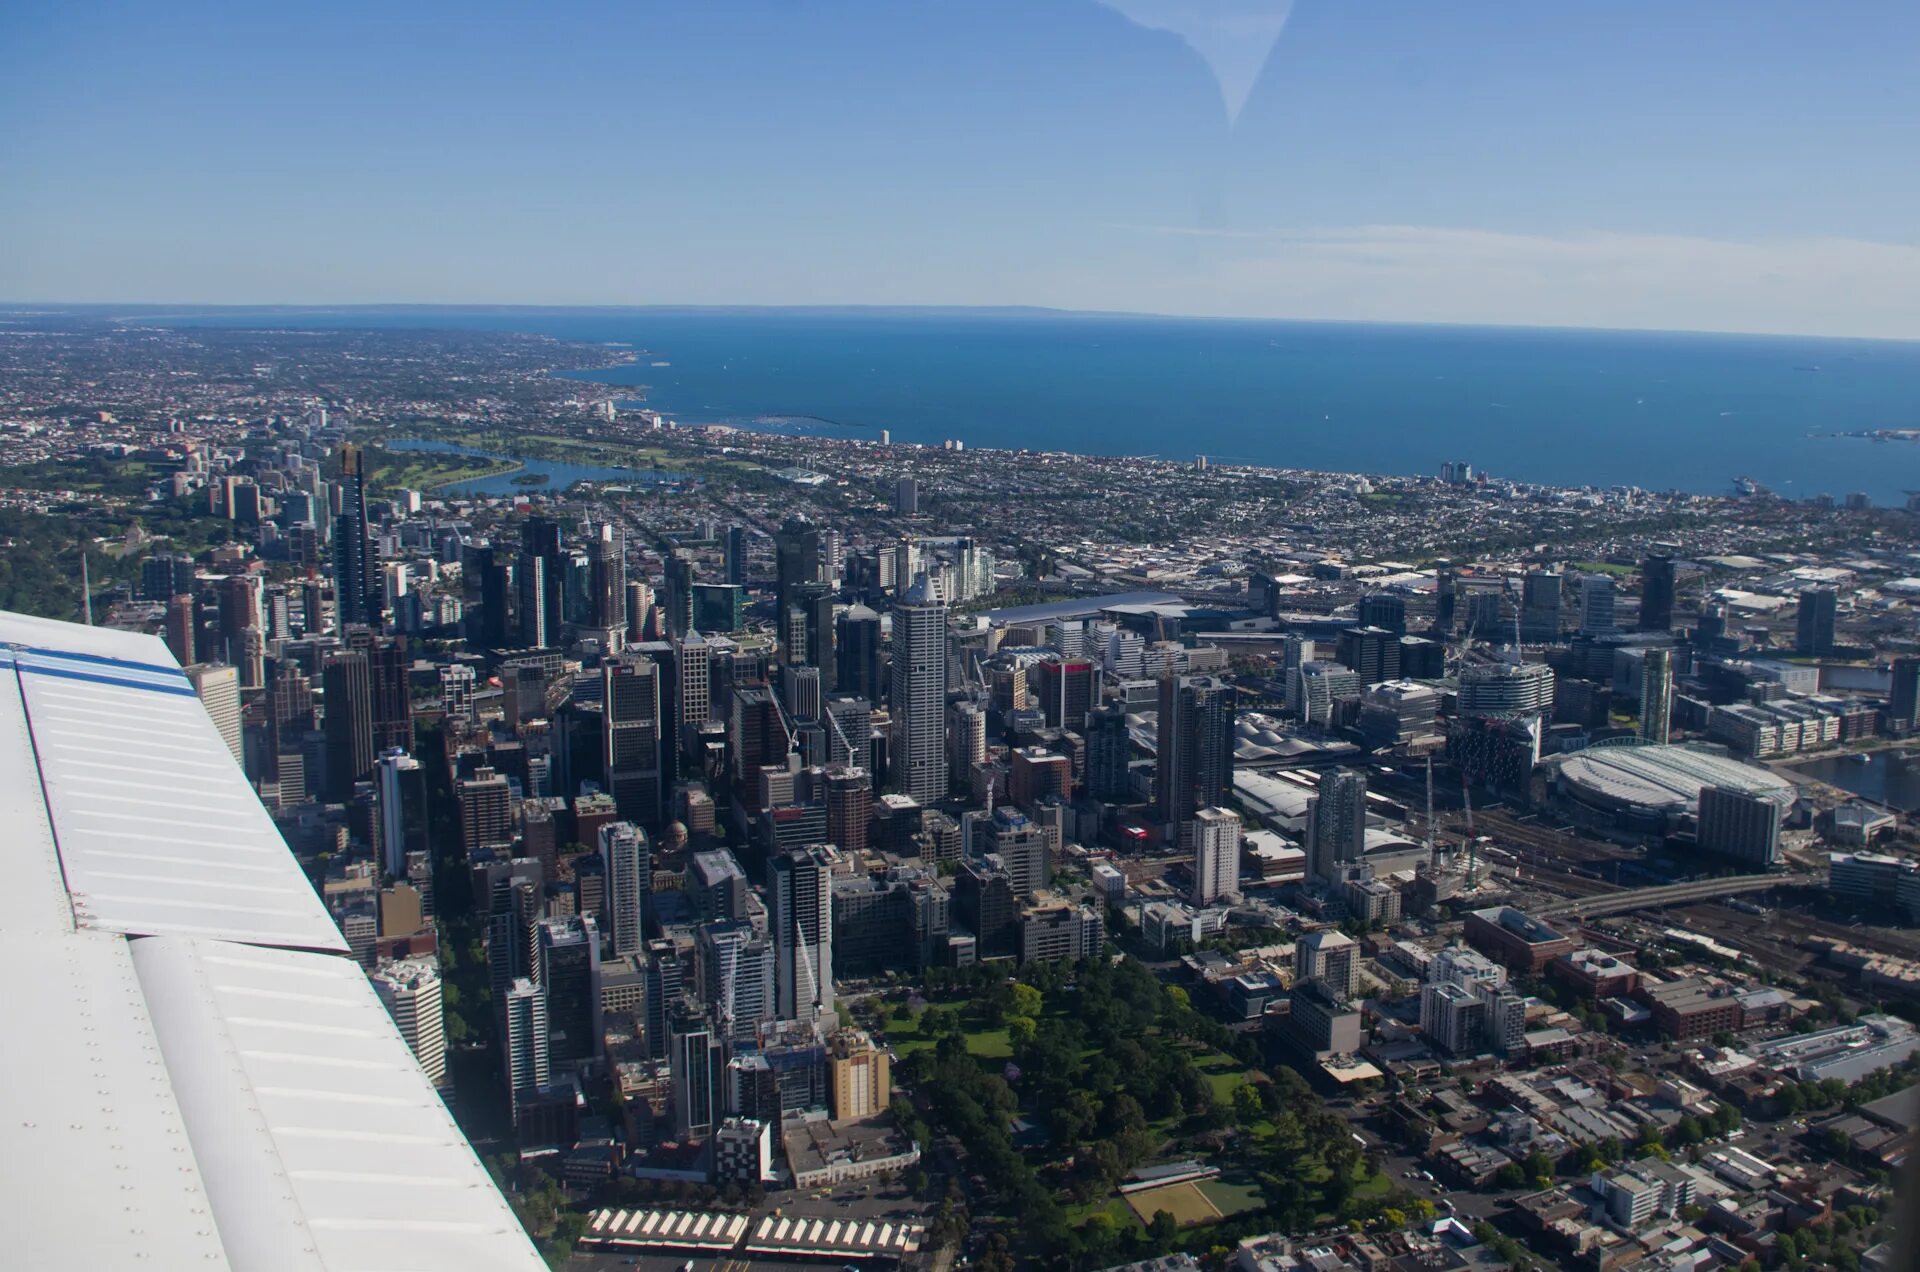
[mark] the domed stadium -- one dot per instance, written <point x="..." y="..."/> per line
<point x="1660" y="781"/>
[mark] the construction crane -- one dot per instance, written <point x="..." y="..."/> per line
<point x="1473" y="841"/>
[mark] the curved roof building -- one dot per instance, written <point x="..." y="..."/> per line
<point x="1663" y="780"/>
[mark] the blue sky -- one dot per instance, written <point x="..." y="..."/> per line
<point x="1730" y="166"/>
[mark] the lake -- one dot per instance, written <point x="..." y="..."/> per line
<point x="559" y="475"/>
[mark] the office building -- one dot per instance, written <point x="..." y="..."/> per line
<point x="1216" y="855"/>
<point x="1109" y="749"/>
<point x="918" y="703"/>
<point x="165" y="575"/>
<point x="358" y="586"/>
<point x="1336" y="823"/>
<point x="1065" y="689"/>
<point x="631" y="719"/>
<point x="716" y="886"/>
<point x="540" y="581"/>
<point x="1656" y="695"/>
<point x="486" y="812"/>
<point x="1540" y="607"/>
<point x="529" y="1064"/>
<point x="743" y="1152"/>
<point x="1320" y="1023"/>
<point x="346" y="687"/>
<point x="629" y="879"/>
<point x="410" y="991"/>
<point x="800" y="922"/>
<point x="1317" y="686"/>
<point x="737" y="555"/>
<point x="735" y="964"/>
<point x="1656" y="592"/>
<point x="857" y="652"/>
<point x="607" y="580"/>
<point x="1372" y="653"/>
<point x="219" y="690"/>
<point x="669" y="971"/>
<point x="1491" y="689"/>
<point x="698" y="1066"/>
<point x="1195" y="754"/>
<point x="402" y="793"/>
<point x="1596" y="605"/>
<point x="1903" y="700"/>
<point x="566" y="964"/>
<point x="1740" y="825"/>
<point x="719" y="607"/>
<point x="796" y="561"/>
<point x="906" y="496"/>
<point x="1818" y="609"/>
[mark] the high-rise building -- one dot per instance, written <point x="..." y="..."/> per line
<point x="719" y="607"/>
<point x="540" y="578"/>
<point x="666" y="983"/>
<point x="906" y="496"/>
<point x="566" y="964"/>
<point x="716" y="886"/>
<point x="918" y="759"/>
<point x="629" y="871"/>
<point x="357" y="584"/>
<point x="736" y="976"/>
<point x="1109" y="748"/>
<point x="1065" y="686"/>
<point x="607" y="591"/>
<point x="1329" y="956"/>
<point x="182" y="639"/>
<point x="698" y="1065"/>
<point x="677" y="592"/>
<point x="1818" y="608"/>
<point x="1505" y="689"/>
<point x="800" y="921"/>
<point x="165" y="575"/>
<point x="346" y="687"/>
<point x="486" y="812"/>
<point x="737" y="555"/>
<point x="1216" y="855"/>
<point x="857" y="652"/>
<point x="1336" y="823"/>
<point x="1318" y="685"/>
<point x="494" y="628"/>
<point x="639" y="608"/>
<point x="1903" y="698"/>
<point x="859" y="1075"/>
<point x="796" y="560"/>
<point x="1373" y="653"/>
<point x="411" y="992"/>
<point x="849" y="808"/>
<point x="631" y="717"/>
<point x="1656" y="592"/>
<point x="529" y="1062"/>
<point x="1540" y="606"/>
<point x="1656" y="694"/>
<point x="1195" y="761"/>
<point x="1021" y="846"/>
<point x="1739" y="825"/>
<point x="219" y="691"/>
<point x="402" y="793"/>
<point x="1385" y="610"/>
<point x="1596" y="605"/>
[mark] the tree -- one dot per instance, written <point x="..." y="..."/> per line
<point x="1164" y="1228"/>
<point x="1026" y="1001"/>
<point x="1248" y="1108"/>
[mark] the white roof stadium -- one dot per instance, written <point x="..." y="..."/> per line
<point x="1662" y="779"/>
<point x="191" y="1075"/>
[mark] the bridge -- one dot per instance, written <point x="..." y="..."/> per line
<point x="1669" y="894"/>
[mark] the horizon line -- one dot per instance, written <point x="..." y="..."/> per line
<point x="131" y="310"/>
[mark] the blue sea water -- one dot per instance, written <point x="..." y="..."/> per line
<point x="1602" y="408"/>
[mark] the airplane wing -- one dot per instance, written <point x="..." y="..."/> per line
<point x="190" y="1074"/>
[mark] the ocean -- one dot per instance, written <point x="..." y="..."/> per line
<point x="1663" y="411"/>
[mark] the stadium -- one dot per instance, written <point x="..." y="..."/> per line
<point x="1652" y="787"/>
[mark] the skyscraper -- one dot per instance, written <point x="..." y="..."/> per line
<point x="858" y="653"/>
<point x="1108" y="751"/>
<point x="737" y="555"/>
<point x="347" y="690"/>
<point x="1216" y="855"/>
<point x="1540" y="606"/>
<point x="631" y="722"/>
<point x="1330" y="957"/>
<point x="800" y="921"/>
<point x="357" y="584"/>
<point x="219" y="690"/>
<point x="629" y="871"/>
<point x="540" y="578"/>
<point x="918" y="703"/>
<point x="906" y="496"/>
<point x="796" y="561"/>
<point x="402" y="794"/>
<point x="411" y="992"/>
<point x="495" y="622"/>
<point x="607" y="591"/>
<point x="1818" y="609"/>
<point x="1336" y="823"/>
<point x="1656" y="592"/>
<point x="698" y="1065"/>
<point x="1656" y="694"/>
<point x="181" y="641"/>
<point x="1065" y="686"/>
<point x="677" y="593"/>
<point x="1195" y="760"/>
<point x="1596" y="605"/>
<point x="566" y="964"/>
<point x="1903" y="700"/>
<point x="529" y="1061"/>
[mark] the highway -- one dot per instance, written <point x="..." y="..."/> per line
<point x="1608" y="902"/>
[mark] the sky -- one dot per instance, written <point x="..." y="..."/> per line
<point x="1750" y="166"/>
